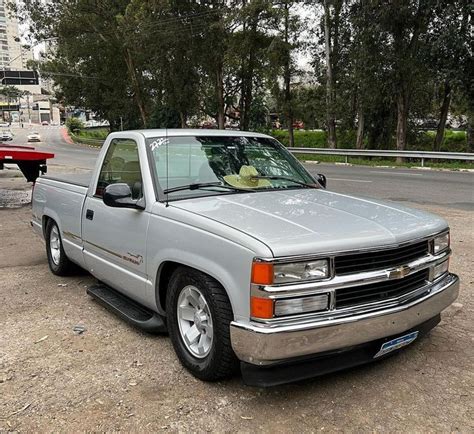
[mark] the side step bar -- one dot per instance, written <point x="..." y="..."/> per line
<point x="128" y="309"/>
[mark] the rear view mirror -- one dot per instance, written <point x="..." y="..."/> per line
<point x="322" y="180"/>
<point x="120" y="196"/>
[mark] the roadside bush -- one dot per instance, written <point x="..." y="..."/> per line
<point x="74" y="124"/>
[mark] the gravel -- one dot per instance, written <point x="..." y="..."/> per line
<point x="113" y="377"/>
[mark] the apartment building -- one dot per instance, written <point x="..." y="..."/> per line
<point x="13" y="56"/>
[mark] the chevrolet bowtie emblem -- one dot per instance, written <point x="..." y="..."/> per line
<point x="399" y="272"/>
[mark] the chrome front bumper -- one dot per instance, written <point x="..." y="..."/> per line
<point x="264" y="344"/>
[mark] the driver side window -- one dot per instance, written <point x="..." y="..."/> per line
<point x="121" y="165"/>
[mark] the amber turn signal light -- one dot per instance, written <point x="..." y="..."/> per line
<point x="262" y="273"/>
<point x="261" y="308"/>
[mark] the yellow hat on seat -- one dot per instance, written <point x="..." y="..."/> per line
<point x="247" y="179"/>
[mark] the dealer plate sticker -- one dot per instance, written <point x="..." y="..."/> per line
<point x="396" y="343"/>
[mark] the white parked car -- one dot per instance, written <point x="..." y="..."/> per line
<point x="34" y="137"/>
<point x="6" y="135"/>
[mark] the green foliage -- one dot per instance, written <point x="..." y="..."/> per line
<point x="172" y="63"/>
<point x="455" y="141"/>
<point x="303" y="139"/>
<point x="74" y="124"/>
<point x="164" y="117"/>
<point x="11" y="92"/>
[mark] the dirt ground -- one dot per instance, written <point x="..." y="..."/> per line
<point x="113" y="377"/>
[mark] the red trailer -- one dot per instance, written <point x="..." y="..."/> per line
<point x="29" y="161"/>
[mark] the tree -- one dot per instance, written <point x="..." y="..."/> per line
<point x="380" y="69"/>
<point x="332" y="10"/>
<point x="283" y="68"/>
<point x="406" y="23"/>
<point x="92" y="63"/>
<point x="74" y="124"/>
<point x="248" y="47"/>
<point x="10" y="93"/>
<point x="449" y="57"/>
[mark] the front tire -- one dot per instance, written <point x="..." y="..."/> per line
<point x="58" y="262"/>
<point x="199" y="315"/>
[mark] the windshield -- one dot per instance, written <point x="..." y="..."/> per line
<point x="245" y="163"/>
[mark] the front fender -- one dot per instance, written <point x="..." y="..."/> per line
<point x="226" y="261"/>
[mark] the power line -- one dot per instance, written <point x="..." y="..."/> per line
<point x="181" y="18"/>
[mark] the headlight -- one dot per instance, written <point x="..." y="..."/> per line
<point x="440" y="243"/>
<point x="267" y="273"/>
<point x="301" y="271"/>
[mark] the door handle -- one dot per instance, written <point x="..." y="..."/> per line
<point x="89" y="214"/>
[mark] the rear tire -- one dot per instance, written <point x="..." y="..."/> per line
<point x="199" y="315"/>
<point x="58" y="262"/>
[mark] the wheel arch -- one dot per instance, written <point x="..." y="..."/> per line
<point x="164" y="273"/>
<point x="44" y="223"/>
<point x="47" y="216"/>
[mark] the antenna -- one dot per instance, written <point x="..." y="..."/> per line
<point x="167" y="165"/>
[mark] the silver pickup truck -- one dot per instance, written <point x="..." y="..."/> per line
<point x="226" y="242"/>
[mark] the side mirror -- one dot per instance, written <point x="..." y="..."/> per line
<point x="322" y="180"/>
<point x="120" y="196"/>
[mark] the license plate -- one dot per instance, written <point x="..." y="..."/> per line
<point x="396" y="343"/>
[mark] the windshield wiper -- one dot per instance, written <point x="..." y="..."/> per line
<point x="285" y="178"/>
<point x="203" y="185"/>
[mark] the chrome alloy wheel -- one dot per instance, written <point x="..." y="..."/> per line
<point x="195" y="321"/>
<point x="55" y="245"/>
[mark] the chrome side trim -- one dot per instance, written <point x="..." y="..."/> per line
<point x="264" y="344"/>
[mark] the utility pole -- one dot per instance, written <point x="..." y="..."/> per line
<point x="28" y="105"/>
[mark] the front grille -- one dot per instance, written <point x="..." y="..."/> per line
<point x="360" y="262"/>
<point x="355" y="295"/>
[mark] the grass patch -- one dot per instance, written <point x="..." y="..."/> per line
<point x="95" y="133"/>
<point x="454" y="141"/>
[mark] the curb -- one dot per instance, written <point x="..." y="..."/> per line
<point x="66" y="136"/>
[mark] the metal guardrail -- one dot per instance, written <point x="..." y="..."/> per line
<point x="361" y="153"/>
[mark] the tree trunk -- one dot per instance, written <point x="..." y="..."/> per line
<point x="183" y="120"/>
<point x="360" y="129"/>
<point x="470" y="132"/>
<point x="443" y="115"/>
<point x="289" y="109"/>
<point x="402" y="122"/>
<point x="248" y="68"/>
<point x="248" y="91"/>
<point x="137" y="88"/>
<point x="220" y="97"/>
<point x="330" y="116"/>
<point x="287" y="80"/>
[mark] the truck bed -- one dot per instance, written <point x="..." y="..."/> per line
<point x="61" y="198"/>
<point x="79" y="179"/>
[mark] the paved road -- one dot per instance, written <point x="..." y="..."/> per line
<point x="449" y="189"/>
<point x="77" y="156"/>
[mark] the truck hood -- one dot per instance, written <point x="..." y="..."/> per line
<point x="311" y="221"/>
